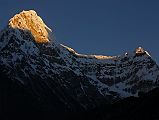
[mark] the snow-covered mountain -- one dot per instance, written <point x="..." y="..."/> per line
<point x="52" y="72"/>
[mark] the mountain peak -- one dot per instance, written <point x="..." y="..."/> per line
<point x="29" y="20"/>
<point x="140" y="51"/>
<point x="60" y="79"/>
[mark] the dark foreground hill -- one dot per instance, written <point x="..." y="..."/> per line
<point x="17" y="103"/>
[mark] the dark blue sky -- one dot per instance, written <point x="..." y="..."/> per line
<point x="108" y="27"/>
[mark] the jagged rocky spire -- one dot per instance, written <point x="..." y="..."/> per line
<point x="29" y="20"/>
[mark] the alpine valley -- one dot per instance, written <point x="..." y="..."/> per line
<point x="43" y="79"/>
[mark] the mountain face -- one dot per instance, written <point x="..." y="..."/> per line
<point x="59" y="79"/>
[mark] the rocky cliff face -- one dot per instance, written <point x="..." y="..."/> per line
<point x="57" y="76"/>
